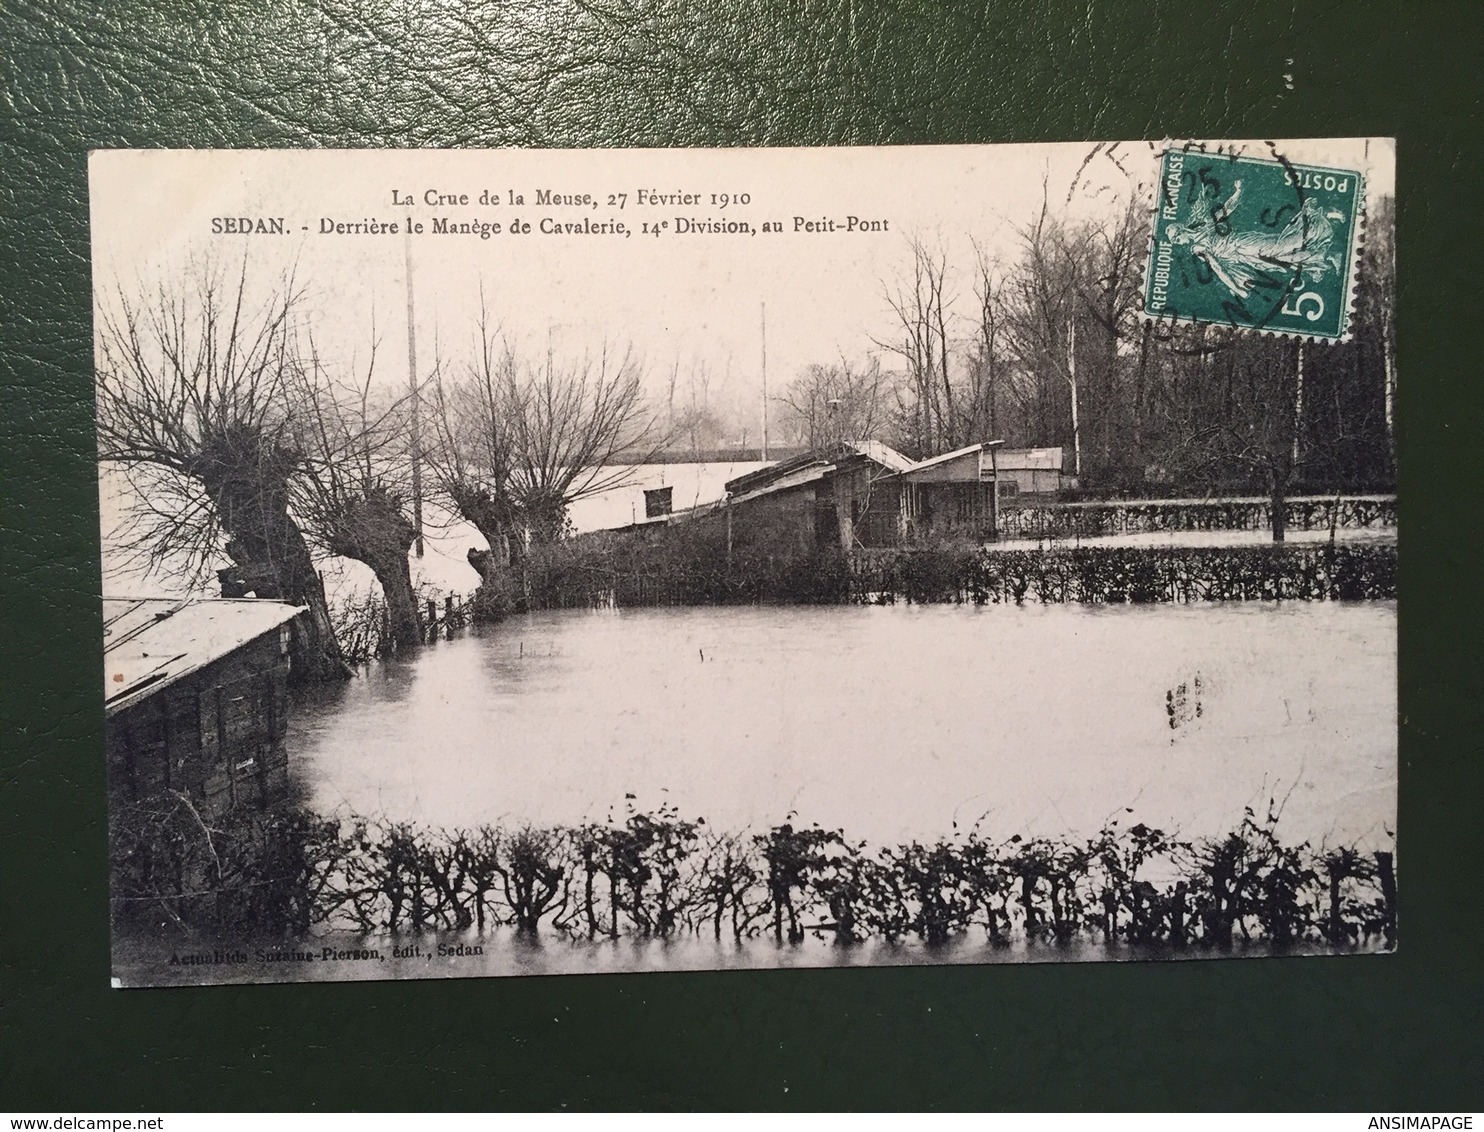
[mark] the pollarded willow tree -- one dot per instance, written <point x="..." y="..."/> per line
<point x="194" y="390"/>
<point x="577" y="428"/>
<point x="469" y="456"/>
<point x="352" y="488"/>
<point x="512" y="445"/>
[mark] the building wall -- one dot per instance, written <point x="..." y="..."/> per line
<point x="881" y="521"/>
<point x="966" y="469"/>
<point x="1042" y="482"/>
<point x="861" y="502"/>
<point x="953" y="509"/>
<point x="216" y="735"/>
<point x="780" y="521"/>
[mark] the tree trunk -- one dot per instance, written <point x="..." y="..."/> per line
<point x="314" y="653"/>
<point x="1278" y="507"/>
<point x="1072" y="381"/>
<point x="493" y="600"/>
<point x="1389" y="372"/>
<point x="1386" y="873"/>
<point x="395" y="576"/>
<point x="273" y="562"/>
<point x="373" y="530"/>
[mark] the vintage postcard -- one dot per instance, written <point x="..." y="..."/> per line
<point x="546" y="562"/>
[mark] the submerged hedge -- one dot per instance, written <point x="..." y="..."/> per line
<point x="1118" y="575"/>
<point x="682" y="567"/>
<point x="657" y="875"/>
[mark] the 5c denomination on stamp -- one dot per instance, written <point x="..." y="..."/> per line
<point x="1252" y="242"/>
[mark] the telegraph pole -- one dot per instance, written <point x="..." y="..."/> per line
<point x="1072" y="381"/>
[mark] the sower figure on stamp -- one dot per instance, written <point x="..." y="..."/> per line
<point x="1300" y="249"/>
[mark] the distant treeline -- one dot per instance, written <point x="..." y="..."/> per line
<point x="689" y="564"/>
<point x="656" y="875"/>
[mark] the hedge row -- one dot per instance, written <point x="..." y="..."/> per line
<point x="678" y="568"/>
<point x="657" y="875"/>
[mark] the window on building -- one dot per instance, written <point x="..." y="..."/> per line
<point x="657" y="502"/>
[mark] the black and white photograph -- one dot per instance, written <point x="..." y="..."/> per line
<point x="544" y="562"/>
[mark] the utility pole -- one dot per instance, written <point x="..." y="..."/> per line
<point x="417" y="423"/>
<point x="1072" y="380"/>
<point x="765" y="379"/>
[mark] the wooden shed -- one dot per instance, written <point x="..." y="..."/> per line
<point x="960" y="494"/>
<point x="195" y="696"/>
<point x="820" y="498"/>
<point x="1030" y="477"/>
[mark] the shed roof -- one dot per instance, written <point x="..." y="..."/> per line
<point x="798" y="477"/>
<point x="150" y="643"/>
<point x="753" y="480"/>
<point x="1029" y="459"/>
<point x="782" y="475"/>
<point x="945" y="458"/>
<point x="883" y="454"/>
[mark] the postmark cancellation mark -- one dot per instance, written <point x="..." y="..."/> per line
<point x="1255" y="243"/>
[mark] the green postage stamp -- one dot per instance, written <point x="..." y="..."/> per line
<point x="1260" y="243"/>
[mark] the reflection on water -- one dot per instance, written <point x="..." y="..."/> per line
<point x="891" y="722"/>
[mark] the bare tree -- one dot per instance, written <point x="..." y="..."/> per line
<point x="1107" y="297"/>
<point x="923" y="312"/>
<point x="988" y="363"/>
<point x="694" y="420"/>
<point x="514" y="445"/>
<point x="1238" y="420"/>
<point x="576" y="429"/>
<point x="352" y="492"/>
<point x="193" y="389"/>
<point x="471" y="457"/>
<point x="1040" y="329"/>
<point x="826" y="405"/>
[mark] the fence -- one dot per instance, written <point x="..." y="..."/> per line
<point x="1091" y="520"/>
<point x="363" y="626"/>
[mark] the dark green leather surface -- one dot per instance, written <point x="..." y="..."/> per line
<point x="1375" y="1033"/>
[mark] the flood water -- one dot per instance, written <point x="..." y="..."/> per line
<point x="889" y="722"/>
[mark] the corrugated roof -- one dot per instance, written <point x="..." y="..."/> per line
<point x="149" y="643"/>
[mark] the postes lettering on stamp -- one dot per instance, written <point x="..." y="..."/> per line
<point x="1258" y="243"/>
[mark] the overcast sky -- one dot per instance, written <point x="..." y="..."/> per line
<point x="692" y="299"/>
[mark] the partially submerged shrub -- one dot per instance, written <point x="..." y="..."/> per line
<point x="655" y="875"/>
